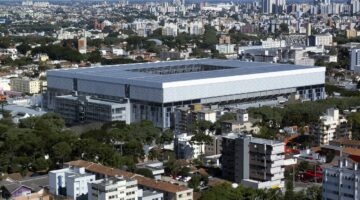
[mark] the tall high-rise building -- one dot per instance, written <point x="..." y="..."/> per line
<point x="273" y="6"/>
<point x="82" y="44"/>
<point x="355" y="60"/>
<point x="355" y="6"/>
<point x="123" y="2"/>
<point x="27" y="3"/>
<point x="254" y="162"/>
<point x="308" y="29"/>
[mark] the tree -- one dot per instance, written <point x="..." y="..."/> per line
<point x="23" y="48"/>
<point x="154" y="153"/>
<point x="289" y="193"/>
<point x="57" y="52"/>
<point x="284" y="28"/>
<point x="203" y="126"/>
<point x="354" y="121"/>
<point x="303" y="166"/>
<point x="173" y="167"/>
<point x="313" y="193"/>
<point x="166" y="137"/>
<point x="157" y="32"/>
<point x="195" y="182"/>
<point x="133" y="148"/>
<point x="40" y="164"/>
<point x="201" y="138"/>
<point x="50" y="122"/>
<point x="61" y="152"/>
<point x="5" y="42"/>
<point x="209" y="37"/>
<point x="94" y="57"/>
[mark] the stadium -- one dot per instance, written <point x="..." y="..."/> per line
<point x="155" y="89"/>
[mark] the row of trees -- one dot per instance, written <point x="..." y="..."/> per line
<point x="42" y="143"/>
<point x="301" y="114"/>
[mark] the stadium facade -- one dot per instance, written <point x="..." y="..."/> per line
<point x="154" y="90"/>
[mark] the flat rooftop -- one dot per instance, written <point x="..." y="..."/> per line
<point x="171" y="71"/>
<point x="253" y="139"/>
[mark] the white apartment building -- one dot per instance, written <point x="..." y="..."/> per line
<point x="321" y="40"/>
<point x="341" y="182"/>
<point x="186" y="149"/>
<point x="170" y="29"/>
<point x="355" y="60"/>
<point x="272" y="43"/>
<point x="305" y="61"/>
<point x="150" y="189"/>
<point x="113" y="188"/>
<point x="4" y="84"/>
<point x="196" y="28"/>
<point x="156" y="168"/>
<point x="70" y="182"/>
<point x="241" y="124"/>
<point x="25" y="85"/>
<point x="331" y="126"/>
<point x="225" y="48"/>
<point x="355" y="5"/>
<point x="273" y="6"/>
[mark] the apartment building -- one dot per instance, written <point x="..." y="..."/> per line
<point x="196" y="28"/>
<point x="170" y="29"/>
<point x="241" y="124"/>
<point x="214" y="148"/>
<point x="113" y="188"/>
<point x="225" y="48"/>
<point x="169" y="190"/>
<point x="355" y="60"/>
<point x="341" y="181"/>
<point x="186" y="117"/>
<point x="156" y="167"/>
<point x="77" y="109"/>
<point x="25" y="85"/>
<point x="187" y="149"/>
<point x="331" y="126"/>
<point x="272" y="43"/>
<point x="321" y="40"/>
<point x="70" y="182"/>
<point x="254" y="162"/>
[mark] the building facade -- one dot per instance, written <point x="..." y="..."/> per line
<point x="355" y="60"/>
<point x="25" y="85"/>
<point x="70" y="182"/>
<point x="331" y="126"/>
<point x="150" y="187"/>
<point x="254" y="162"/>
<point x="321" y="40"/>
<point x="113" y="188"/>
<point x="341" y="182"/>
<point x="185" y="148"/>
<point x="78" y="109"/>
<point x="185" y="118"/>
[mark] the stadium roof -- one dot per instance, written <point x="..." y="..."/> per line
<point x="149" y="73"/>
